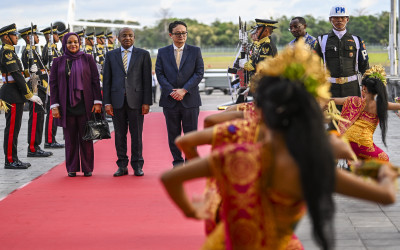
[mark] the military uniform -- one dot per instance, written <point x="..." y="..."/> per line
<point x="343" y="60"/>
<point x="81" y="35"/>
<point x="45" y="51"/>
<point x="36" y="112"/>
<point x="343" y="54"/>
<point x="61" y="35"/>
<point x="263" y="48"/>
<point x="100" y="48"/>
<point x="14" y="92"/>
<point x="50" y="129"/>
<point x="89" y="43"/>
<point x="110" y="46"/>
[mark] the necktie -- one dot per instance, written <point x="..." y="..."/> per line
<point x="125" y="60"/>
<point x="178" y="57"/>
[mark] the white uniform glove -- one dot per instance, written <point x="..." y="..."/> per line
<point x="33" y="69"/>
<point x="36" y="99"/>
<point x="242" y="62"/>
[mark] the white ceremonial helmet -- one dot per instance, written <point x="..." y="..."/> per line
<point x="338" y="10"/>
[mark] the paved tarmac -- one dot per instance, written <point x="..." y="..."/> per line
<point x="359" y="225"/>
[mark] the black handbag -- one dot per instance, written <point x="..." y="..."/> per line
<point x="96" y="129"/>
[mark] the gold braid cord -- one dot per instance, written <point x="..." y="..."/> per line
<point x="299" y="64"/>
<point x="332" y="113"/>
<point x="3" y="106"/>
<point x="378" y="72"/>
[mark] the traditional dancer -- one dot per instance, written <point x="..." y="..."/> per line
<point x="363" y="114"/>
<point x="265" y="186"/>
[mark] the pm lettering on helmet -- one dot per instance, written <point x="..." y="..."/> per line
<point x="340" y="10"/>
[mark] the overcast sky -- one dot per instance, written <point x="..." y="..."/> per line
<point x="147" y="12"/>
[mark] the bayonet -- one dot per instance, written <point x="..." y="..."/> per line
<point x="50" y="48"/>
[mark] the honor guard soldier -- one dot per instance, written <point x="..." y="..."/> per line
<point x="50" y="129"/>
<point x="89" y="43"/>
<point x="264" y="47"/>
<point x="13" y="95"/>
<point x="61" y="35"/>
<point x="344" y="55"/>
<point x="50" y="42"/>
<point x="81" y="35"/>
<point x="34" y="68"/>
<point x="110" y="41"/>
<point x="101" y="47"/>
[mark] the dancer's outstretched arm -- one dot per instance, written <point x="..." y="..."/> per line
<point x="188" y="143"/>
<point x="213" y="119"/>
<point x="383" y="191"/>
<point x="173" y="182"/>
<point x="339" y="101"/>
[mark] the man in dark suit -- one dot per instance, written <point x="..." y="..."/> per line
<point x="179" y="70"/>
<point x="127" y="98"/>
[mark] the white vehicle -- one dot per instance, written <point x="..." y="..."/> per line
<point x="216" y="79"/>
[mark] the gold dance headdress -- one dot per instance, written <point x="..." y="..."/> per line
<point x="299" y="64"/>
<point x="378" y="72"/>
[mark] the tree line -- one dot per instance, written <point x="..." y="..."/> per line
<point x="373" y="29"/>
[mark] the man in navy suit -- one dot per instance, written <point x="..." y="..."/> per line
<point x="179" y="70"/>
<point x="127" y="96"/>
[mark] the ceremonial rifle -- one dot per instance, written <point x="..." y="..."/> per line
<point x="105" y="44"/>
<point x="242" y="79"/>
<point x="50" y="48"/>
<point x="34" y="77"/>
<point x="96" y="56"/>
<point x="83" y="41"/>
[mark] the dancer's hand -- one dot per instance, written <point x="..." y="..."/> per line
<point x="386" y="172"/>
<point x="201" y="205"/>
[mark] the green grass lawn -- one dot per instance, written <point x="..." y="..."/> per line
<point x="379" y="58"/>
<point x="223" y="62"/>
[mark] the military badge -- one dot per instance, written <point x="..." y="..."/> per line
<point x="265" y="50"/>
<point x="351" y="54"/>
<point x="9" y="56"/>
<point x="350" y="47"/>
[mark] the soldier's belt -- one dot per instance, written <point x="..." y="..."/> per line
<point x="7" y="78"/>
<point x="342" y="80"/>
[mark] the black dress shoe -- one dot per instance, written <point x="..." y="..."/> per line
<point x="39" y="153"/>
<point x="15" y="165"/>
<point x="121" y="172"/>
<point x="24" y="163"/>
<point x="138" y="172"/>
<point x="71" y="174"/>
<point x="88" y="174"/>
<point x="54" y="145"/>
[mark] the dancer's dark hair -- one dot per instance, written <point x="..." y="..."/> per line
<point x="376" y="87"/>
<point x="288" y="108"/>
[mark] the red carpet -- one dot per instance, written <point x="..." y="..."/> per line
<point x="102" y="211"/>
